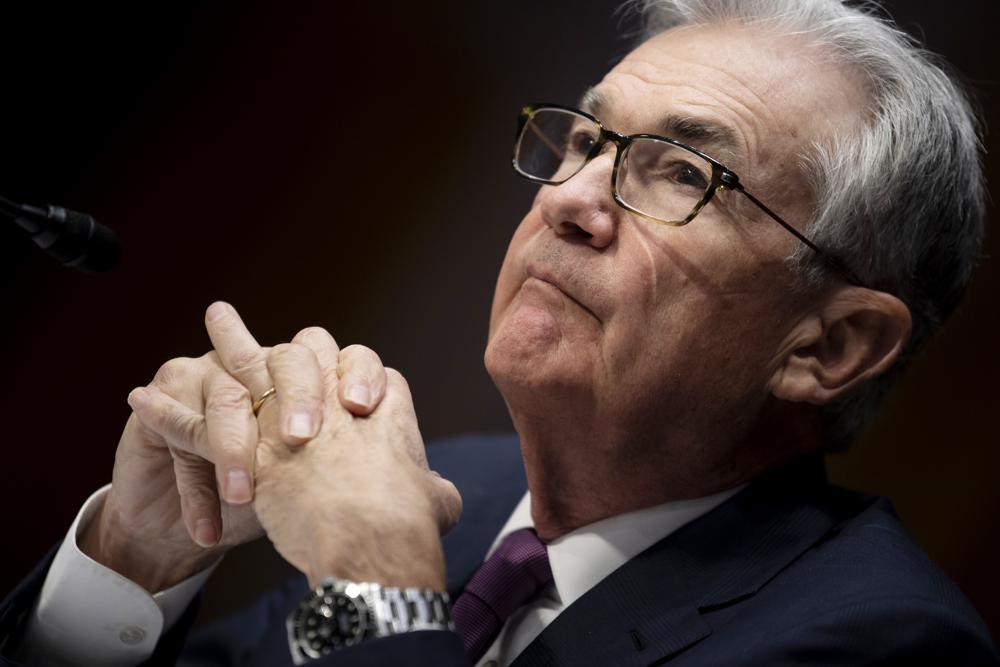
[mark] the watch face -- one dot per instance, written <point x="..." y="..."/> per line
<point x="332" y="621"/>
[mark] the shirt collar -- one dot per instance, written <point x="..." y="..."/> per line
<point x="582" y="558"/>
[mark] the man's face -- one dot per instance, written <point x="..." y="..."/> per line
<point x="623" y="316"/>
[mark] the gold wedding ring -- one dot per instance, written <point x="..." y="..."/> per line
<point x="260" y="401"/>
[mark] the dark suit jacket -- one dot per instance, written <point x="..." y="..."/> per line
<point x="790" y="571"/>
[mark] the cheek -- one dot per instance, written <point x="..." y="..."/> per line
<point x="667" y="316"/>
<point x="512" y="270"/>
<point x="715" y="348"/>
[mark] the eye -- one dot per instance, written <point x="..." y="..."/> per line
<point x="687" y="175"/>
<point x="580" y="142"/>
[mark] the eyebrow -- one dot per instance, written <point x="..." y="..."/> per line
<point x="696" y="132"/>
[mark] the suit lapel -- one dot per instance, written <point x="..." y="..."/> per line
<point x="639" y="613"/>
<point x="653" y="606"/>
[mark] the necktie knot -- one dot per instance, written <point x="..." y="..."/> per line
<point x="511" y="577"/>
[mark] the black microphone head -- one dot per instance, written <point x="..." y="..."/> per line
<point x="103" y="250"/>
<point x="84" y="244"/>
<point x="71" y="238"/>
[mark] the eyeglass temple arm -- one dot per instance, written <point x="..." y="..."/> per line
<point x="548" y="142"/>
<point x="734" y="184"/>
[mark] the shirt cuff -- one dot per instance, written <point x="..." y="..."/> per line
<point x="88" y="614"/>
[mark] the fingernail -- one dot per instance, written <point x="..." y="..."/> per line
<point x="204" y="533"/>
<point x="216" y="310"/>
<point x="360" y="394"/>
<point x="238" y="487"/>
<point x="138" y="397"/>
<point x="300" y="425"/>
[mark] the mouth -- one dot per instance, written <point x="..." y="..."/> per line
<point x="542" y="274"/>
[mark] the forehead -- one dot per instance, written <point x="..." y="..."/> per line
<point x="758" y="96"/>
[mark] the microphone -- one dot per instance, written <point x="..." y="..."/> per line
<point x="71" y="238"/>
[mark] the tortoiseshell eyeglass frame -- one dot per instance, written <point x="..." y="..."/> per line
<point x="723" y="178"/>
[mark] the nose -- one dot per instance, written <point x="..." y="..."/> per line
<point x="582" y="208"/>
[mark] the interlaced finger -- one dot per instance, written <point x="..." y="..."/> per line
<point x="327" y="354"/>
<point x="200" y="507"/>
<point x="232" y="435"/>
<point x="399" y="402"/>
<point x="298" y="384"/>
<point x="180" y="427"/>
<point x="184" y="433"/>
<point x="238" y="350"/>
<point x="361" y="379"/>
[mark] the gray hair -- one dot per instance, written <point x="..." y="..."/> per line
<point x="900" y="200"/>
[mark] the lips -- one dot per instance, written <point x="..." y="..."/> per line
<point x="546" y="275"/>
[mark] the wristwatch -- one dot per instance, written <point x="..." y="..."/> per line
<point x="338" y="613"/>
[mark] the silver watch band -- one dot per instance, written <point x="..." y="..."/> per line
<point x="384" y="611"/>
<point x="399" y="610"/>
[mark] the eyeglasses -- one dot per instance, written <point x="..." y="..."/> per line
<point x="658" y="178"/>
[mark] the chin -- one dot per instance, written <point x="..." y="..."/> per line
<point x="524" y="335"/>
<point x="529" y="368"/>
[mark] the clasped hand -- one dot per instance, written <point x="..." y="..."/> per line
<point x="332" y="469"/>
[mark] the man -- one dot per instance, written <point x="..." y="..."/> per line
<point x="752" y="220"/>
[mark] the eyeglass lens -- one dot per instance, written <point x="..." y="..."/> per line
<point x="656" y="178"/>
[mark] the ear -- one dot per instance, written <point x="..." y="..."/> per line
<point x="853" y="336"/>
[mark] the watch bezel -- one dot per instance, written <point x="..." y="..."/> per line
<point x="319" y="611"/>
<point x="381" y="611"/>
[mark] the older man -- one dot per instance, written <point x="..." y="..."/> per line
<point x="747" y="224"/>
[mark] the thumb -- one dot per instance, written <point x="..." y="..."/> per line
<point x="447" y="501"/>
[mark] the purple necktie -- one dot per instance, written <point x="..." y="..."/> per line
<point x="516" y="572"/>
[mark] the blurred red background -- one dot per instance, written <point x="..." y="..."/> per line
<point x="347" y="166"/>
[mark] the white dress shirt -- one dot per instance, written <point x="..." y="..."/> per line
<point x="89" y="615"/>
<point x="582" y="558"/>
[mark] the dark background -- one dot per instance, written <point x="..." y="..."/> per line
<point x="348" y="167"/>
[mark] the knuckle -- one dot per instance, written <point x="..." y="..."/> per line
<point x="188" y="468"/>
<point x="397" y="385"/>
<point x="196" y="494"/>
<point x="281" y="349"/>
<point x="187" y="429"/>
<point x="245" y="360"/>
<point x="299" y="396"/>
<point x="356" y="349"/>
<point x="291" y="357"/>
<point x="282" y="352"/>
<point x="227" y="397"/>
<point x="174" y="372"/>
<point x="316" y="334"/>
<point x="396" y="378"/>
<point x="183" y="428"/>
<point x="360" y="354"/>
<point x="300" y="351"/>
